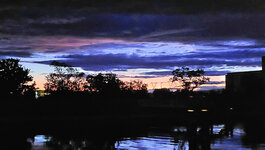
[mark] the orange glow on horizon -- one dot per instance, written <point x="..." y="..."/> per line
<point x="164" y="82"/>
<point x="153" y="83"/>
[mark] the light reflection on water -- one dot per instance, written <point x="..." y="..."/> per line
<point x="41" y="139"/>
<point x="146" y="143"/>
<point x="218" y="128"/>
<point x="176" y="139"/>
<point x="230" y="142"/>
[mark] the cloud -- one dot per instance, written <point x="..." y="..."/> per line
<point x="218" y="36"/>
<point x="144" y="27"/>
<point x="54" y="20"/>
<point x="101" y="46"/>
<point x="224" y="55"/>
<point x="110" y="55"/>
<point x="143" y="6"/>
<point x="110" y="62"/>
<point x="159" y="73"/>
<point x="216" y="73"/>
<point x="215" y="82"/>
<point x="165" y="33"/>
<point x="207" y="73"/>
<point x="140" y="76"/>
<point x="206" y="88"/>
<point x="15" y="53"/>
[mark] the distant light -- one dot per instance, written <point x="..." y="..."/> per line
<point x="180" y="129"/>
<point x="36" y="95"/>
<point x="204" y="110"/>
<point x="231" y="108"/>
<point x="41" y="139"/>
<point x="190" y="110"/>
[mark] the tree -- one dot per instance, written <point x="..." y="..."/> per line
<point x="13" y="77"/>
<point x="135" y="88"/>
<point x="136" y="85"/>
<point x="104" y="83"/>
<point x="189" y="79"/>
<point x="65" y="78"/>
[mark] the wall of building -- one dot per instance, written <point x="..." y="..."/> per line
<point x="246" y="82"/>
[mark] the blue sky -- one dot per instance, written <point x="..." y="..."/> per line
<point x="135" y="46"/>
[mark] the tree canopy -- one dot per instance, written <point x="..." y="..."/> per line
<point x="104" y="83"/>
<point x="13" y="77"/>
<point x="136" y="85"/>
<point x="64" y="78"/>
<point x="189" y="79"/>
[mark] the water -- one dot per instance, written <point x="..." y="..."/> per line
<point x="215" y="137"/>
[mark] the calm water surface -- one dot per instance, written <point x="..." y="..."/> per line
<point x="215" y="137"/>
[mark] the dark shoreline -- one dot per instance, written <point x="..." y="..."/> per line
<point x="114" y="120"/>
<point x="112" y="128"/>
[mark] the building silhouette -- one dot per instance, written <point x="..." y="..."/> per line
<point x="247" y="82"/>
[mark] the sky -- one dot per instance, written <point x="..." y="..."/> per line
<point x="143" y="40"/>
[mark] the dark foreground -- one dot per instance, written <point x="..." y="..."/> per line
<point x="230" y="130"/>
<point x="81" y="122"/>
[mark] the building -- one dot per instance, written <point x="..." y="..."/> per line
<point x="247" y="82"/>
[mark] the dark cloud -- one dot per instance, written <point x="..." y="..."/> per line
<point x="110" y="62"/>
<point x="208" y="73"/>
<point x="111" y="45"/>
<point x="15" y="48"/>
<point x="154" y="27"/>
<point x="15" y="53"/>
<point x="215" y="82"/>
<point x="216" y="73"/>
<point x="144" y="6"/>
<point x="207" y="88"/>
<point x="159" y="73"/>
<point x="141" y="76"/>
<point x="199" y="22"/>
<point x="226" y="55"/>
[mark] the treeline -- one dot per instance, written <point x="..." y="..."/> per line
<point x="70" y="92"/>
<point x="67" y="91"/>
<point x="16" y="81"/>
<point x="75" y="93"/>
<point x="67" y="80"/>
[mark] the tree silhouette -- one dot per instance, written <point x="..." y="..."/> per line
<point x="189" y="79"/>
<point x="104" y="83"/>
<point x="13" y="77"/>
<point x="136" y="88"/>
<point x="136" y="85"/>
<point x="64" y="78"/>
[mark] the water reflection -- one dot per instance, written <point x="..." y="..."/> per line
<point x="74" y="144"/>
<point x="197" y="137"/>
<point x="151" y="142"/>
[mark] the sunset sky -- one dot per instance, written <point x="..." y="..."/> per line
<point x="133" y="43"/>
